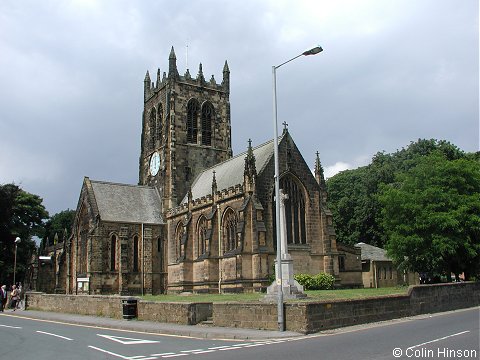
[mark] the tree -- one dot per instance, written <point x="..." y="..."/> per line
<point x="353" y="194"/>
<point x="57" y="225"/>
<point x="431" y="215"/>
<point x="21" y="215"/>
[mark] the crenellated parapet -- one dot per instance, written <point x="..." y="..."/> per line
<point x="151" y="87"/>
<point x="207" y="200"/>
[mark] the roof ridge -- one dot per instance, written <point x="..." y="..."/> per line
<point x="121" y="184"/>
<point x="242" y="153"/>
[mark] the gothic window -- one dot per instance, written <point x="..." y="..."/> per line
<point x="83" y="228"/>
<point x="160" y="251"/>
<point x="192" y="121"/>
<point x="179" y="246"/>
<point x="113" y="253"/>
<point x="83" y="252"/>
<point x="207" y="117"/>
<point x="135" y="253"/>
<point x="294" y="211"/>
<point x="202" y="236"/>
<point x="160" y="123"/>
<point x="229" y="230"/>
<point x="152" y="123"/>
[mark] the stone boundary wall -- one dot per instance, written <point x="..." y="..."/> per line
<point x="304" y="317"/>
<point x="111" y="306"/>
<point x="310" y="317"/>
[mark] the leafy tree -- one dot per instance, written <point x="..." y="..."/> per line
<point x="431" y="214"/>
<point x="353" y="193"/>
<point x="21" y="215"/>
<point x="57" y="225"/>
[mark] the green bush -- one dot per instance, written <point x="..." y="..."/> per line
<point x="321" y="281"/>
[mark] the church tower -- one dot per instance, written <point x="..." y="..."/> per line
<point x="185" y="129"/>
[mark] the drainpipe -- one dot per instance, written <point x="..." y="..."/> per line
<point x="219" y="217"/>
<point x="143" y="264"/>
<point x="375" y="274"/>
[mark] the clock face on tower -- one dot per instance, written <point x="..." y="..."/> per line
<point x="154" y="163"/>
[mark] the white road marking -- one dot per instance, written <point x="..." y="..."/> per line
<point x="109" y="352"/>
<point x="189" y="351"/>
<point x="217" y="347"/>
<point x="162" y="354"/>
<point x="11" y="327"/>
<point x="204" y="351"/>
<point x="174" y="355"/>
<point x="439" y="339"/>
<point x="128" y="341"/>
<point x="59" y="336"/>
<point x="229" y="348"/>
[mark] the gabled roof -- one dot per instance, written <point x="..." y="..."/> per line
<point x="230" y="172"/>
<point x="370" y="252"/>
<point x="127" y="203"/>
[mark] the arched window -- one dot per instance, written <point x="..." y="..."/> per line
<point x="160" y="123"/>
<point x="294" y="210"/>
<point x="207" y="117"/>
<point x="229" y="230"/>
<point x="135" y="253"/>
<point x="179" y="242"/>
<point x="160" y="252"/>
<point x="83" y="230"/>
<point x="192" y="121"/>
<point x="202" y="236"/>
<point x="153" y="131"/>
<point x="113" y="253"/>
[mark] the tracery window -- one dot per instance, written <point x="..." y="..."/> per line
<point x="202" y="236"/>
<point x="113" y="253"/>
<point x="135" y="253"/>
<point x="160" y="123"/>
<point x="294" y="210"/>
<point x="82" y="240"/>
<point x="179" y="246"/>
<point x="207" y="117"/>
<point x="152" y="124"/>
<point x="229" y="230"/>
<point x="192" y="121"/>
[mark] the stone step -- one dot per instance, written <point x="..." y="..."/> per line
<point x="209" y="321"/>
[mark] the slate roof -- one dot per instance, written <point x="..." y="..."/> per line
<point x="373" y="253"/>
<point x="230" y="172"/>
<point x="127" y="203"/>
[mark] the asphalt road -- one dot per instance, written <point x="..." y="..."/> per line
<point x="452" y="335"/>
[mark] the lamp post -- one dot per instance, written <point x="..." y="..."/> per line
<point x="17" y="241"/>
<point x="278" y="276"/>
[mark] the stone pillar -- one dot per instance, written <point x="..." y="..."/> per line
<point x="290" y="287"/>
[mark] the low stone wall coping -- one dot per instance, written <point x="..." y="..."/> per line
<point x="305" y="316"/>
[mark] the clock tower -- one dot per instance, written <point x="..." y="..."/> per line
<point x="185" y="129"/>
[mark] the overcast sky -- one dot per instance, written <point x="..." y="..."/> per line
<point x="71" y="79"/>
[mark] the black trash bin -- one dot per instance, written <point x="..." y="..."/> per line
<point x="129" y="308"/>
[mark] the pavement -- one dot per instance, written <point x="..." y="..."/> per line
<point x="194" y="331"/>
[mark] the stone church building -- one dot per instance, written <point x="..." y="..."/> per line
<point x="200" y="219"/>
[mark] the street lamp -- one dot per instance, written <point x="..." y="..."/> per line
<point x="278" y="276"/>
<point x="17" y="241"/>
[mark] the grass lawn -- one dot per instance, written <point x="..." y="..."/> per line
<point x="255" y="297"/>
